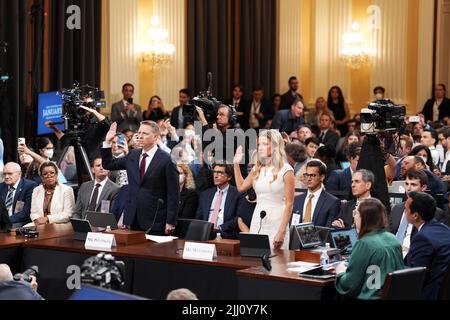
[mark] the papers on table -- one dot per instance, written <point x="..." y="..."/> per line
<point x="301" y="266"/>
<point x="160" y="239"/>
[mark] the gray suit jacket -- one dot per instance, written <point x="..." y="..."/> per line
<point x="109" y="192"/>
<point x="126" y="120"/>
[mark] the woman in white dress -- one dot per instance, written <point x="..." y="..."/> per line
<point x="273" y="181"/>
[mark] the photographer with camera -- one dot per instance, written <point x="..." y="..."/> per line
<point x="21" y="286"/>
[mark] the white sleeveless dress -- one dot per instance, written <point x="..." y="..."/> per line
<point x="270" y="198"/>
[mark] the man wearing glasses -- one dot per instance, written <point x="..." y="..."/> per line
<point x="362" y="182"/>
<point x="15" y="193"/>
<point x="219" y="205"/>
<point x="316" y="205"/>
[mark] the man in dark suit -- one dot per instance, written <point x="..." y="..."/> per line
<point x="125" y="113"/>
<point x="153" y="181"/>
<point x="316" y="205"/>
<point x="16" y="194"/>
<point x="327" y="136"/>
<point x="289" y="97"/>
<point x="240" y="105"/>
<point x="439" y="106"/>
<point x="177" y="118"/>
<point x="289" y="120"/>
<point x="362" y="182"/>
<point x="341" y="180"/>
<point x="219" y="204"/>
<point x="416" y="181"/>
<point x="430" y="247"/>
<point x="93" y="194"/>
<point x="260" y="110"/>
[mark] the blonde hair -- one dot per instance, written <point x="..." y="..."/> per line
<point x="189" y="183"/>
<point x="278" y="155"/>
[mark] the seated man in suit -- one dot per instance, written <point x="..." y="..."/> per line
<point x="92" y="194"/>
<point x="16" y="194"/>
<point x="219" y="204"/>
<point x="327" y="136"/>
<point x="341" y="180"/>
<point x="416" y="181"/>
<point x="289" y="120"/>
<point x="317" y="205"/>
<point x="430" y="247"/>
<point x="362" y="182"/>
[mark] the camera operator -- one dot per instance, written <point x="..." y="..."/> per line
<point x="94" y="134"/>
<point x="17" y="290"/>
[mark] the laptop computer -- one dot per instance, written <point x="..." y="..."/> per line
<point x="308" y="236"/>
<point x="254" y="245"/>
<point x="80" y="229"/>
<point x="101" y="220"/>
<point x="344" y="239"/>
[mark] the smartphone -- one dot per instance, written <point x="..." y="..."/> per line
<point x="21" y="141"/>
<point x="414" y="119"/>
<point x="121" y="140"/>
<point x="130" y="101"/>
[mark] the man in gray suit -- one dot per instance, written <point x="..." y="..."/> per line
<point x="93" y="194"/>
<point x="125" y="113"/>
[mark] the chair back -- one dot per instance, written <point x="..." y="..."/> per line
<point x="404" y="284"/>
<point x="194" y="230"/>
<point x="444" y="292"/>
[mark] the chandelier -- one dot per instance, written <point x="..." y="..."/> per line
<point x="157" y="50"/>
<point x="354" y="52"/>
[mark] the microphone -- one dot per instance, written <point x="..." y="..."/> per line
<point x="262" y="215"/>
<point x="158" y="206"/>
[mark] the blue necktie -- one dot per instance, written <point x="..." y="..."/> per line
<point x="401" y="232"/>
<point x="9" y="198"/>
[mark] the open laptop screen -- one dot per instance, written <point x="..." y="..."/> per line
<point x="344" y="239"/>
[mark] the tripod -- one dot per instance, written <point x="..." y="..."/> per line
<point x="81" y="159"/>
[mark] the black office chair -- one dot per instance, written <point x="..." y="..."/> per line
<point x="404" y="284"/>
<point x="194" y="230"/>
<point x="444" y="292"/>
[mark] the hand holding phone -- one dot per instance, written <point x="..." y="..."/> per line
<point x="121" y="140"/>
<point x="21" y="141"/>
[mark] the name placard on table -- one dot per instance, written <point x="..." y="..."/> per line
<point x="102" y="241"/>
<point x="199" y="251"/>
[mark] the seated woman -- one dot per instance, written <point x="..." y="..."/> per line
<point x="375" y="254"/>
<point x="52" y="202"/>
<point x="188" y="195"/>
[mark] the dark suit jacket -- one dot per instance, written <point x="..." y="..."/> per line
<point x="188" y="204"/>
<point x="229" y="226"/>
<point x="23" y="193"/>
<point x="109" y="192"/>
<point x="340" y="180"/>
<point x="396" y="217"/>
<point x="288" y="99"/>
<point x="326" y="210"/>
<point x="346" y="213"/>
<point x="129" y="121"/>
<point x="444" y="109"/>
<point x="174" y="121"/>
<point x="430" y="248"/>
<point x="5" y="222"/>
<point x="331" y="139"/>
<point x="285" y="122"/>
<point x="161" y="181"/>
<point x="243" y="108"/>
<point x="121" y="200"/>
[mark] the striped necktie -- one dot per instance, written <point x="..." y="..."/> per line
<point x="9" y="198"/>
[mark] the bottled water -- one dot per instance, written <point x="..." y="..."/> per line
<point x="324" y="259"/>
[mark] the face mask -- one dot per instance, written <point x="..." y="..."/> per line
<point x="379" y="96"/>
<point x="425" y="159"/>
<point x="49" y="153"/>
<point x="189" y="133"/>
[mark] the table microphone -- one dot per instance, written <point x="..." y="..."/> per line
<point x="158" y="206"/>
<point x="262" y="215"/>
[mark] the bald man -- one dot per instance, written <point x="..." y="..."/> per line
<point x="15" y="193"/>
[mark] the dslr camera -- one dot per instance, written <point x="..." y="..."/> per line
<point x="383" y="116"/>
<point x="27" y="274"/>
<point x="103" y="271"/>
<point x="75" y="118"/>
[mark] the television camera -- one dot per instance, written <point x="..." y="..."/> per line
<point x="103" y="271"/>
<point x="383" y="116"/>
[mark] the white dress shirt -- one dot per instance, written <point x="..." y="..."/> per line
<point x="151" y="154"/>
<point x="314" y="201"/>
<point x="222" y="205"/>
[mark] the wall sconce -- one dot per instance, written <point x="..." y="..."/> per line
<point x="354" y="52"/>
<point x="157" y="50"/>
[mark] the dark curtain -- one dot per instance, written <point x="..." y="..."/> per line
<point x="75" y="55"/>
<point x="233" y="39"/>
<point x="14" y="15"/>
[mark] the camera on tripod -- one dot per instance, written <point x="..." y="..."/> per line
<point x="383" y="116"/>
<point x="80" y="96"/>
<point x="27" y="274"/>
<point x="103" y="271"/>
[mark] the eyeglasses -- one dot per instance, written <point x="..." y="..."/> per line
<point x="49" y="175"/>
<point x="312" y="175"/>
<point x="220" y="173"/>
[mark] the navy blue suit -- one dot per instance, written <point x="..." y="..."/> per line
<point x="229" y="226"/>
<point x="120" y="202"/>
<point x="326" y="210"/>
<point x="23" y="193"/>
<point x="161" y="181"/>
<point x="430" y="248"/>
<point x="340" y="180"/>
